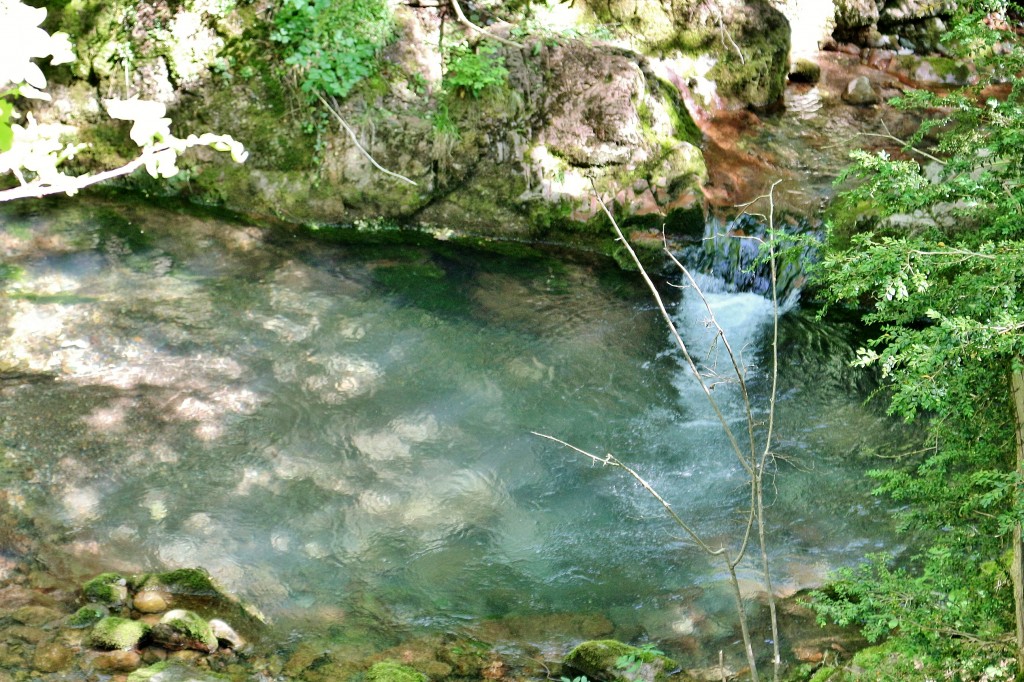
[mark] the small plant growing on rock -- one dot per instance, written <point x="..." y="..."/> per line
<point x="474" y="71"/>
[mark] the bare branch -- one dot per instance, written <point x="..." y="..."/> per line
<point x="461" y="16"/>
<point x="678" y="339"/>
<point x="613" y="461"/>
<point x="355" y="141"/>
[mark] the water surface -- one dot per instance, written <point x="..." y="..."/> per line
<point x="325" y="426"/>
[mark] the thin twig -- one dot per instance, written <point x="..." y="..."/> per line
<point x="611" y="460"/>
<point x="460" y="15"/>
<point x="355" y="140"/>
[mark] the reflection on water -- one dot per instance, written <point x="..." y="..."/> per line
<point x="316" y="424"/>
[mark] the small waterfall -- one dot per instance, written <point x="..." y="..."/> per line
<point x="731" y="252"/>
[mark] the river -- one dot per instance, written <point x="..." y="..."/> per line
<point x="327" y="426"/>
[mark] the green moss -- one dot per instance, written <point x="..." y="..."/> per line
<point x="118" y="633"/>
<point x="192" y="627"/>
<point x="820" y="675"/>
<point x="597" y="659"/>
<point x="148" y="673"/>
<point x="190" y="581"/>
<point x="89" y="614"/>
<point x="106" y="588"/>
<point x="389" y="671"/>
<point x="874" y="657"/>
<point x="683" y="126"/>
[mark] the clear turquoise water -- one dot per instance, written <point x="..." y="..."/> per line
<point x="318" y="425"/>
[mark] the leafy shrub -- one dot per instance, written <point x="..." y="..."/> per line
<point x="474" y="71"/>
<point x="334" y="43"/>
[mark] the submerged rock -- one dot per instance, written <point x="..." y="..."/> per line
<point x="389" y="671"/>
<point x="181" y="629"/>
<point x="52" y="657"/>
<point x="173" y="671"/>
<point x="117" y="661"/>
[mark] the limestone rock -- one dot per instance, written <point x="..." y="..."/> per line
<point x="854" y="14"/>
<point x="592" y="119"/>
<point x="860" y="92"/>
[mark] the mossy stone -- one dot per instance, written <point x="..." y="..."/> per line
<point x="190" y="581"/>
<point x="597" y="659"/>
<point x="118" y="633"/>
<point x="109" y="589"/>
<point x="805" y="71"/>
<point x="389" y="671"/>
<point x="181" y="629"/>
<point x="90" y="614"/>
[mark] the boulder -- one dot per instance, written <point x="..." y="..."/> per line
<point x="860" y="92"/>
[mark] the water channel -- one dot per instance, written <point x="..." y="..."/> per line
<point x="323" y="426"/>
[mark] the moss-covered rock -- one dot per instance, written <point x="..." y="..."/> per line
<point x="90" y="614"/>
<point x="178" y="671"/>
<point x="389" y="671"/>
<point x="109" y="589"/>
<point x="610" y="660"/>
<point x="188" y="581"/>
<point x="180" y="629"/>
<point x="118" y="633"/>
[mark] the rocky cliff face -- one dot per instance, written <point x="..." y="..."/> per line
<point x="584" y="111"/>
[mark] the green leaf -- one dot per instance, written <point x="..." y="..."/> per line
<point x="6" y="132"/>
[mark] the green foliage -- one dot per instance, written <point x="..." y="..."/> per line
<point x="473" y="71"/>
<point x="333" y="43"/>
<point x="939" y="269"/>
<point x="631" y="662"/>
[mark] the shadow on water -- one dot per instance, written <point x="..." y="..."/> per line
<point x="345" y="429"/>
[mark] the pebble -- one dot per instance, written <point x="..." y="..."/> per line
<point x="150" y="601"/>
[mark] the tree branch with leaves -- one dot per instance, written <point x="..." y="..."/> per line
<point x="34" y="153"/>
